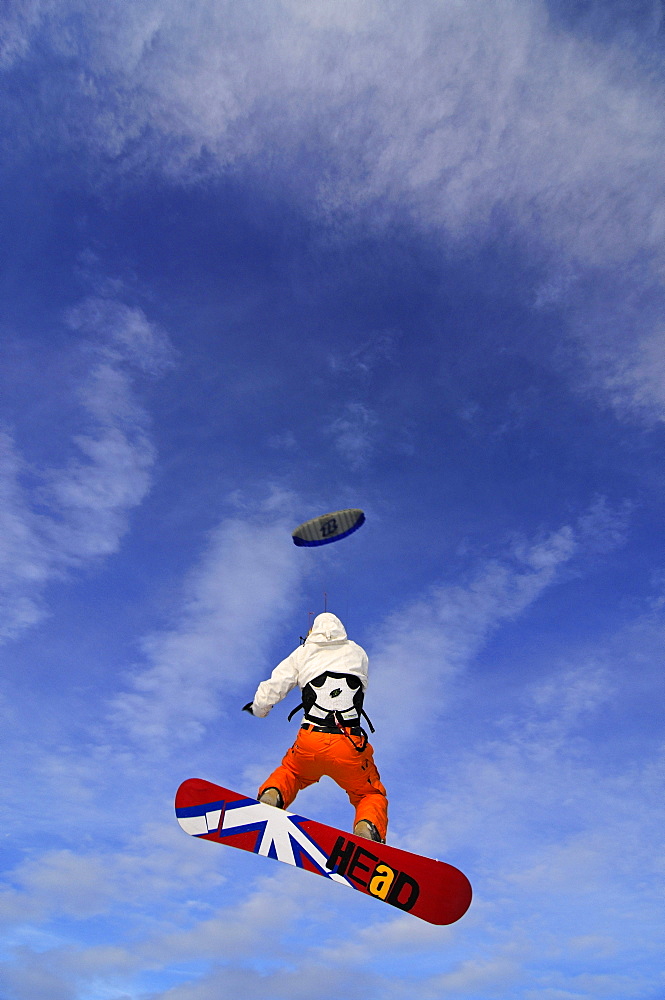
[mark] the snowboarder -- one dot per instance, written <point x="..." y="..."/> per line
<point x="331" y="671"/>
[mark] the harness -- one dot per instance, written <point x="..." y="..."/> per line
<point x="333" y="703"/>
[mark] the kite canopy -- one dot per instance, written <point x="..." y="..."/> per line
<point x="328" y="527"/>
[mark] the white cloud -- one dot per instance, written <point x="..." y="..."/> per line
<point x="123" y="334"/>
<point x="363" y="360"/>
<point x="89" y="880"/>
<point x="18" y="22"/>
<point x="401" y="935"/>
<point x="418" y="651"/>
<point x="33" y="980"/>
<point x="24" y="564"/>
<point x="66" y="883"/>
<point x="352" y="433"/>
<point x="284" y="441"/>
<point x="452" y="110"/>
<point x="55" y="519"/>
<point x="128" y="884"/>
<point x="233" y="602"/>
<point x="461" y="116"/>
<point x="233" y="932"/>
<point x="634" y="377"/>
<point x="558" y="821"/>
<point x="493" y="977"/>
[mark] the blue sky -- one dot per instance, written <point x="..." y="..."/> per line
<point x="265" y="260"/>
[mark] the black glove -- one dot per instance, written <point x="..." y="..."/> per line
<point x="248" y="707"/>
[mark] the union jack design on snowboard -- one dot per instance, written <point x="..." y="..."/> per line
<point x="431" y="890"/>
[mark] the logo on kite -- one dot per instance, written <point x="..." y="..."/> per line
<point x="328" y="527"/>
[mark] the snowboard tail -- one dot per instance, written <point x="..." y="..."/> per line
<point x="429" y="889"/>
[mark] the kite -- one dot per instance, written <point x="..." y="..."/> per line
<point x="328" y="527"/>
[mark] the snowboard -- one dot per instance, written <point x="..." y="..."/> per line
<point x="429" y="889"/>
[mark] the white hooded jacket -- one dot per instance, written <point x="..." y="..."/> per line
<point x="326" y="648"/>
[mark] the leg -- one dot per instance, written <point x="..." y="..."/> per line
<point x="294" y="773"/>
<point x="371" y="804"/>
<point x="357" y="774"/>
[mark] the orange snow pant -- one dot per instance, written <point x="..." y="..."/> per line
<point x="314" y="755"/>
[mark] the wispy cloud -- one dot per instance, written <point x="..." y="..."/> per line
<point x="633" y="377"/>
<point x="554" y="833"/>
<point x="363" y="360"/>
<point x="353" y="433"/>
<point x="419" y="650"/>
<point x="19" y="22"/>
<point x="558" y="763"/>
<point x="55" y="519"/>
<point x="94" y="879"/>
<point x="232" y="603"/>
<point x="452" y="111"/>
<point x="122" y="334"/>
<point x="194" y="924"/>
<point x="474" y="120"/>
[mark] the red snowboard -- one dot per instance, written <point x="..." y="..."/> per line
<point x="431" y="890"/>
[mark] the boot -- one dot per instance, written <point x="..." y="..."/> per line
<point x="364" y="828"/>
<point x="272" y="797"/>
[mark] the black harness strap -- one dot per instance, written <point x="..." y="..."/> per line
<point x="369" y="721"/>
<point x="362" y="712"/>
<point x="296" y="709"/>
<point x="363" y="734"/>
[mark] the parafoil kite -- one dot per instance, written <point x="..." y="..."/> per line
<point x="328" y="527"/>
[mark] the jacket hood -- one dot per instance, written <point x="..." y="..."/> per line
<point x="327" y="628"/>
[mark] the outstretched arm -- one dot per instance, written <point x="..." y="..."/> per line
<point x="282" y="680"/>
